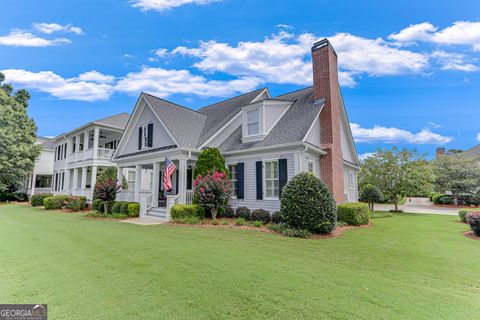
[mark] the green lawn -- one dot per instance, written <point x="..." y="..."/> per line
<point x="405" y="267"/>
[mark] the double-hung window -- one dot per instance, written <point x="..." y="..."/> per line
<point x="232" y="168"/>
<point x="310" y="166"/>
<point x="253" y="122"/>
<point x="271" y="179"/>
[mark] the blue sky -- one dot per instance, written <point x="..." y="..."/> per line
<point x="409" y="70"/>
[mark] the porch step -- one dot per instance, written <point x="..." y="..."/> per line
<point x="157" y="212"/>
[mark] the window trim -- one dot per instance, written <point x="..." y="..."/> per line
<point x="264" y="178"/>
<point x="144" y="127"/>
<point x="257" y="110"/>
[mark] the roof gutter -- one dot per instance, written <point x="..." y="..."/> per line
<point x="307" y="146"/>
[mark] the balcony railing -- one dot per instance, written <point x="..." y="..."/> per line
<point x="103" y="153"/>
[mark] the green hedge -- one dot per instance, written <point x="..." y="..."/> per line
<point x="436" y="198"/>
<point x="54" y="202"/>
<point x="133" y="209"/>
<point x="462" y="213"/>
<point x="96" y="203"/>
<point x="75" y="203"/>
<point x="37" y="199"/>
<point x="181" y="211"/>
<point x="353" y="213"/>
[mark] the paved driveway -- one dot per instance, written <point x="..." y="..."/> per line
<point x="418" y="205"/>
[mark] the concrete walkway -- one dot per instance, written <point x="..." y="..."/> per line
<point x="418" y="205"/>
<point x="144" y="221"/>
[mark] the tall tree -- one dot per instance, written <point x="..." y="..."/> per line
<point x="397" y="173"/>
<point x="17" y="137"/>
<point x="209" y="161"/>
<point x="457" y="174"/>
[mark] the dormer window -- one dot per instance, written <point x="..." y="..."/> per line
<point x="253" y="122"/>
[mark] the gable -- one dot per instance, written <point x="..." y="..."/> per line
<point x="313" y="136"/>
<point x="348" y="145"/>
<point x="143" y="115"/>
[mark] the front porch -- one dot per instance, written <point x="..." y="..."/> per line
<point x="145" y="186"/>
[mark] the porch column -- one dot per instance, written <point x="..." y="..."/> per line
<point x="67" y="180"/>
<point x="182" y="181"/>
<point x="138" y="182"/>
<point x="120" y="177"/>
<point x="77" y="142"/>
<point x="75" y="178"/>
<point x="85" y="140"/>
<point x="93" y="180"/>
<point x="96" y="135"/>
<point x="84" y="178"/>
<point x="34" y="177"/>
<point x="155" y="183"/>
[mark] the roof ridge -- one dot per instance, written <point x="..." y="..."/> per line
<point x="114" y="115"/>
<point x="284" y="94"/>
<point x="241" y="95"/>
<point x="174" y="104"/>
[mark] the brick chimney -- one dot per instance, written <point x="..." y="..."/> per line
<point x="439" y="152"/>
<point x="325" y="86"/>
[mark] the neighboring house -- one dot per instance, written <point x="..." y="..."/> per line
<point x="265" y="140"/>
<point x="473" y="152"/>
<point x="81" y="154"/>
<point x="40" y="180"/>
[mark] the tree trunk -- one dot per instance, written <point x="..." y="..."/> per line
<point x="214" y="213"/>
<point x="373" y="204"/>
<point x="455" y="199"/>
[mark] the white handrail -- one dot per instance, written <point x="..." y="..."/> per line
<point x="189" y="197"/>
<point x="149" y="200"/>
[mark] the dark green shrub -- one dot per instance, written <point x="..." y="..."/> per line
<point x="229" y="212"/>
<point x="260" y="215"/>
<point x="436" y="198"/>
<point x="124" y="208"/>
<point x="446" y="200"/>
<point x="54" y="202"/>
<point x="37" y="199"/>
<point x="209" y="161"/>
<point x="307" y="204"/>
<point x="462" y="214"/>
<point x="75" y="203"/>
<point x="96" y="203"/>
<point x="119" y="216"/>
<point x="7" y="196"/>
<point x="277" y="217"/>
<point x="242" y="212"/>
<point x="284" y="229"/>
<point x="371" y="195"/>
<point x="116" y="206"/>
<point x="101" y="207"/>
<point x="180" y="211"/>
<point x="473" y="220"/>
<point x="354" y="213"/>
<point x="20" y="196"/>
<point x="133" y="209"/>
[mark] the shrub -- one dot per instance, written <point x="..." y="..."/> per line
<point x="124" y="208"/>
<point x="96" y="203"/>
<point x="187" y="210"/>
<point x="353" y="213"/>
<point x="107" y="191"/>
<point x="188" y="220"/>
<point x="473" y="219"/>
<point x="116" y="206"/>
<point x="133" y="209"/>
<point x="229" y="212"/>
<point x="20" y="196"/>
<point x="225" y="222"/>
<point x="277" y="217"/>
<point x="306" y="203"/>
<point x="54" y="202"/>
<point x="213" y="191"/>
<point x="242" y="212"/>
<point x="462" y="214"/>
<point x="284" y="229"/>
<point x="371" y="194"/>
<point x="209" y="160"/>
<point x="37" y="199"/>
<point x="119" y="216"/>
<point x="341" y="224"/>
<point x="257" y="223"/>
<point x="436" y="198"/>
<point x="260" y="215"/>
<point x="75" y="203"/>
<point x="101" y="207"/>
<point x="240" y="221"/>
<point x="215" y="222"/>
<point x="7" y="196"/>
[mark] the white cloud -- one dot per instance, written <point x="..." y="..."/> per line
<point x="162" y="52"/>
<point x="285" y="58"/>
<point x="394" y="135"/>
<point x="164" y="82"/>
<point x="365" y="155"/>
<point x="478" y="137"/>
<point x="21" y="38"/>
<point x="95" y="76"/>
<point x="453" y="61"/>
<point x="459" y="33"/>
<point x="434" y="125"/>
<point x="59" y="87"/>
<point x="164" y="5"/>
<point x="50" y="28"/>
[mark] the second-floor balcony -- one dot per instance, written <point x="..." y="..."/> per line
<point x="89" y="154"/>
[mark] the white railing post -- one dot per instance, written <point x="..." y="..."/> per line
<point x="138" y="182"/>
<point x="171" y="201"/>
<point x="143" y="200"/>
<point x="96" y="135"/>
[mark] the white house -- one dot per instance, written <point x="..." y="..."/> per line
<point x="265" y="140"/>
<point x="40" y="180"/>
<point x="81" y="154"/>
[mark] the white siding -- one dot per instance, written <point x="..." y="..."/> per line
<point x="161" y="138"/>
<point x="307" y="157"/>
<point x="250" y="188"/>
<point x="272" y="113"/>
<point x="313" y="136"/>
<point x="348" y="153"/>
<point x="226" y="132"/>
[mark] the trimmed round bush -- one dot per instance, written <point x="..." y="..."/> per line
<point x="307" y="204"/>
<point x="101" y="207"/>
<point x="229" y="212"/>
<point x="181" y="211"/>
<point x="133" y="209"/>
<point x="54" y="202"/>
<point x="124" y="208"/>
<point x="75" y="203"/>
<point x="116" y="207"/>
<point x="96" y="203"/>
<point x="473" y="220"/>
<point x="242" y="212"/>
<point x="260" y="215"/>
<point x="20" y="196"/>
<point x="353" y="213"/>
<point x="277" y="217"/>
<point x="436" y="198"/>
<point x="37" y="199"/>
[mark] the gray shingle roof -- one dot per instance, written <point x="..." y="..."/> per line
<point x="292" y="127"/>
<point x="218" y="114"/>
<point x="145" y="151"/>
<point x="183" y="123"/>
<point x="46" y="142"/>
<point x="473" y="152"/>
<point x="118" y="120"/>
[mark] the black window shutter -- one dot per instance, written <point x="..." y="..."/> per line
<point x="65" y="149"/>
<point x="240" y="180"/>
<point x="259" y="169"/>
<point x="176" y="182"/>
<point x="282" y="175"/>
<point x="189" y="178"/>
<point x="150" y="134"/>
<point x="139" y="138"/>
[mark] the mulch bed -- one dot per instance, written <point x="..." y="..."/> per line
<point x="452" y="206"/>
<point x="471" y="235"/>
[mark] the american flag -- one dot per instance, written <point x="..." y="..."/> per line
<point x="167" y="174"/>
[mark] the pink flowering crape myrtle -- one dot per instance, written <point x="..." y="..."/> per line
<point x="213" y="191"/>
